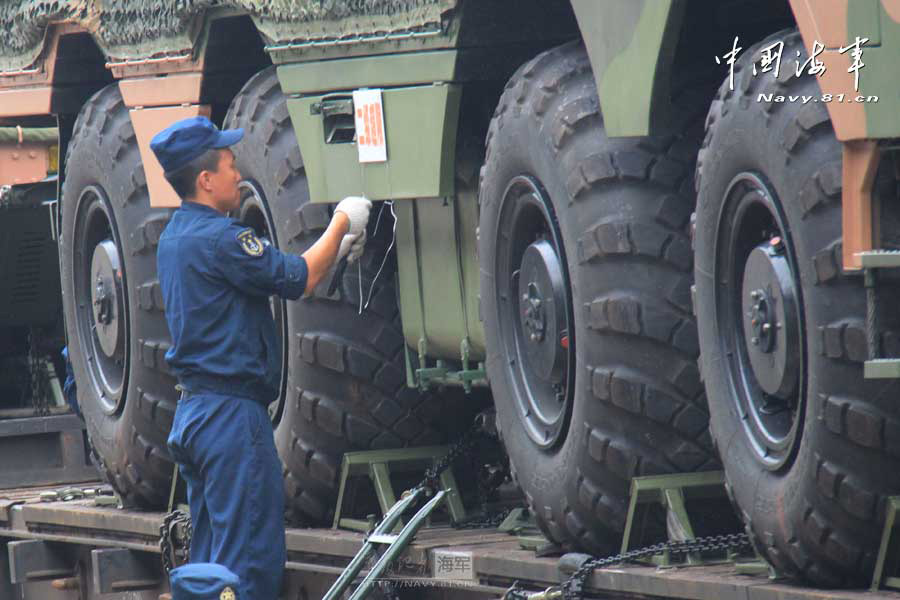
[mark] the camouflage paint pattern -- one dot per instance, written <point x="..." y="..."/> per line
<point x="837" y="24"/>
<point x="628" y="42"/>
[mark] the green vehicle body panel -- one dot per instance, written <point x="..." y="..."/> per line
<point x="420" y="127"/>
<point x="391" y="70"/>
<point x="438" y="275"/>
<point x="880" y="76"/>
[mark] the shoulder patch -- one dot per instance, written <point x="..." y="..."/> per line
<point x="250" y="244"/>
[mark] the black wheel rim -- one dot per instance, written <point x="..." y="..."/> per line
<point x="254" y="212"/>
<point x="535" y="311"/>
<point x="760" y="311"/>
<point x="102" y="313"/>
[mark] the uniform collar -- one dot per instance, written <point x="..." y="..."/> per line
<point x="202" y="208"/>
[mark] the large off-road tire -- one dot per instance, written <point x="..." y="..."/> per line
<point x="117" y="332"/>
<point x="345" y="387"/>
<point x="596" y="229"/>
<point x="809" y="446"/>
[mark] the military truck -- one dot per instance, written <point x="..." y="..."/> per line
<point x="649" y="245"/>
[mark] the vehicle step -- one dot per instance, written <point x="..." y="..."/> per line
<point x="880" y="259"/>
<point x="882" y="368"/>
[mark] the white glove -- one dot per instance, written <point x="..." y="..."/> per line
<point x="352" y="247"/>
<point x="357" y="210"/>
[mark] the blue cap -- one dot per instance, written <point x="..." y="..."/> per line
<point x="203" y="581"/>
<point x="184" y="140"/>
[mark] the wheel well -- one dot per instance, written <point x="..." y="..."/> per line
<point x="527" y="28"/>
<point x="234" y="53"/>
<point x="720" y="22"/>
<point x="80" y="71"/>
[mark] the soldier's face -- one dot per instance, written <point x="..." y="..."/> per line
<point x="224" y="183"/>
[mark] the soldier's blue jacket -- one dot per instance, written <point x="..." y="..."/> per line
<point x="216" y="278"/>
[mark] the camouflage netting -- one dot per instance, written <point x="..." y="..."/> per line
<point x="136" y="28"/>
<point x="22" y="22"/>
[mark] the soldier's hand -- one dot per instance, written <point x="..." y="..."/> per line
<point x="352" y="247"/>
<point x="357" y="210"/>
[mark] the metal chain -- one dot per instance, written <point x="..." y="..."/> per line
<point x="485" y="521"/>
<point x="573" y="587"/>
<point x="497" y="474"/>
<point x="166" y="545"/>
<point x="462" y="446"/>
<point x="37" y="377"/>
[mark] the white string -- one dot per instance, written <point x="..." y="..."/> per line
<point x="362" y="306"/>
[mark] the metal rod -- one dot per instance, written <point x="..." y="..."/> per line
<point x="147" y="61"/>
<point x="403" y="539"/>
<point x="353" y="40"/>
<point x="19" y="72"/>
<point x="872" y="321"/>
<point x="386" y="526"/>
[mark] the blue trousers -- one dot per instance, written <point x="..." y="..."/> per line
<point x="225" y="450"/>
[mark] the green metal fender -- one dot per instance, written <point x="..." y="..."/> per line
<point x="630" y="44"/>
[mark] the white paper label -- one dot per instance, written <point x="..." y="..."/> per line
<point x="370" y="134"/>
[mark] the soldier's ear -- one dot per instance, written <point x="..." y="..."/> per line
<point x="203" y="181"/>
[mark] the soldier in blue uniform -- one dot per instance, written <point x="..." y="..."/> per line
<point x="216" y="278"/>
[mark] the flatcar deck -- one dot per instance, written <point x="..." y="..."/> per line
<point x="492" y="560"/>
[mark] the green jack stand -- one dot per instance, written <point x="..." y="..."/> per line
<point x="520" y="523"/>
<point x="889" y="552"/>
<point x="670" y="492"/>
<point x="378" y="465"/>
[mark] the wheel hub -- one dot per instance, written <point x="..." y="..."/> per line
<point x="759" y="309"/>
<point x="106" y="297"/>
<point x="534" y="319"/>
<point x="543" y="311"/>
<point x="770" y="327"/>
<point x="535" y="313"/>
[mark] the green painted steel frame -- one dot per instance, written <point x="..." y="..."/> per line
<point x="888" y="554"/>
<point x="669" y="492"/>
<point x="377" y="465"/>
